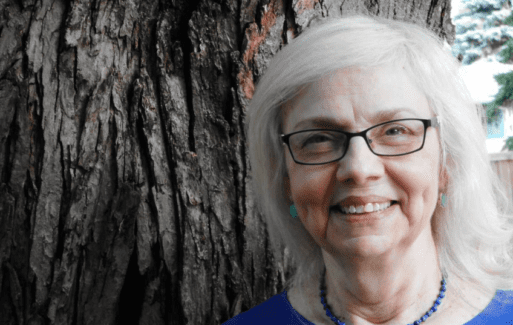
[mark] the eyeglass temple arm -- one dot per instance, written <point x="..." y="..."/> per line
<point x="436" y="122"/>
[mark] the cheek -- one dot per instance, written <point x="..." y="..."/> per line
<point x="312" y="193"/>
<point x="310" y="188"/>
<point x="419" y="183"/>
<point x="309" y="192"/>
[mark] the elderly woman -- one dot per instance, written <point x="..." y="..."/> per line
<point x="369" y="163"/>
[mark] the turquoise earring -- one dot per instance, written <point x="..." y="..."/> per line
<point x="293" y="211"/>
<point x="444" y="200"/>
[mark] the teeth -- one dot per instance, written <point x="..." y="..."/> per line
<point x="369" y="207"/>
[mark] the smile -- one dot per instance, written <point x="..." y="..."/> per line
<point x="367" y="208"/>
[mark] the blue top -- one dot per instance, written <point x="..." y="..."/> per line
<point x="278" y="310"/>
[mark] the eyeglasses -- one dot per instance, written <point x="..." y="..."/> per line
<point x="393" y="138"/>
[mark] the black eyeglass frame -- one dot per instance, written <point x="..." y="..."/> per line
<point x="434" y="122"/>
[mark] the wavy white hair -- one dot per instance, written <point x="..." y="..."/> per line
<point x="474" y="233"/>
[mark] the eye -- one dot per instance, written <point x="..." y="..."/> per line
<point x="317" y="138"/>
<point x="396" y="130"/>
<point x="317" y="141"/>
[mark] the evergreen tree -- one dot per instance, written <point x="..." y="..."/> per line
<point x="485" y="30"/>
<point x="481" y="31"/>
<point x="505" y="80"/>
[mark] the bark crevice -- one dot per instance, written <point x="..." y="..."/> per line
<point x="131" y="294"/>
<point x="188" y="51"/>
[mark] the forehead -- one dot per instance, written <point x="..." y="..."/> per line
<point x="356" y="98"/>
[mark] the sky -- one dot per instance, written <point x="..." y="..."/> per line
<point x="456" y="7"/>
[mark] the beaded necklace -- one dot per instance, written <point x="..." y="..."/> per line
<point x="324" y="302"/>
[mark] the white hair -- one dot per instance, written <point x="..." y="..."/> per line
<point x="474" y="232"/>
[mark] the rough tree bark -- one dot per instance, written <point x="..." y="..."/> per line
<point x="124" y="190"/>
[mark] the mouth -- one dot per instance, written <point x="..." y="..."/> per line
<point x="362" y="209"/>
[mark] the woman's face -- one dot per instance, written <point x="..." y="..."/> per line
<point x="353" y="100"/>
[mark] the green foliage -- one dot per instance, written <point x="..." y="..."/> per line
<point x="506" y="91"/>
<point x="484" y="5"/>
<point x="509" y="20"/>
<point x="507" y="52"/>
<point x="493" y="113"/>
<point x="509" y="143"/>
<point x="470" y="58"/>
<point x="471" y="42"/>
<point x="481" y="29"/>
<point x="463" y="28"/>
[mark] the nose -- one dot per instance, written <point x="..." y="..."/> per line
<point x="359" y="164"/>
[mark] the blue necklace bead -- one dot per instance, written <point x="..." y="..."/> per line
<point x="337" y="321"/>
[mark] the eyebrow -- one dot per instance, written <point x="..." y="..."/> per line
<point x="329" y="122"/>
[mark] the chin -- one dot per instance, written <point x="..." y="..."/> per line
<point x="366" y="246"/>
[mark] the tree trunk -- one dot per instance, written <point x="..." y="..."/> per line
<point x="125" y="186"/>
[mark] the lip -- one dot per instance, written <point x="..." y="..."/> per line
<point x="363" y="218"/>
<point x="362" y="200"/>
<point x="366" y="218"/>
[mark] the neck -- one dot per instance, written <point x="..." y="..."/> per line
<point x="393" y="288"/>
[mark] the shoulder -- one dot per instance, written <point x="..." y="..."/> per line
<point x="302" y="300"/>
<point x="498" y="311"/>
<point x="473" y="306"/>
<point x="275" y="310"/>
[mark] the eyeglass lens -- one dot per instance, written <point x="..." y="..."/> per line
<point x="392" y="138"/>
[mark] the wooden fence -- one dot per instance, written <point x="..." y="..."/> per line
<point x="502" y="164"/>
